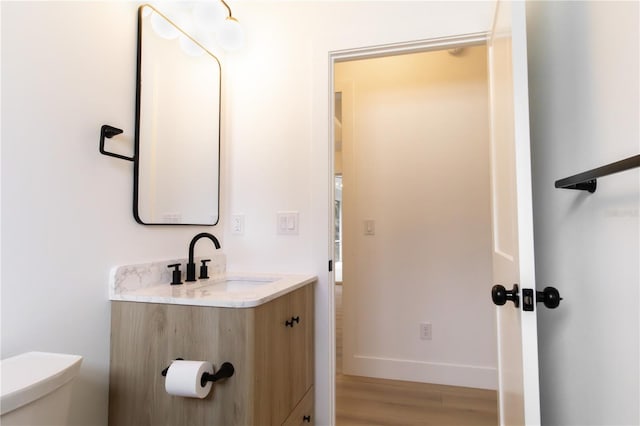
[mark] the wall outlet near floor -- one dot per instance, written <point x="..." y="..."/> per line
<point x="425" y="331"/>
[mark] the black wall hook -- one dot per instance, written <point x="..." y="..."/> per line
<point x="108" y="132"/>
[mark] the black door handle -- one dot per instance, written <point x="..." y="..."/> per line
<point x="550" y="296"/>
<point x="500" y="295"/>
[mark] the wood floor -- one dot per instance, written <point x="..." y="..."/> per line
<point x="370" y="401"/>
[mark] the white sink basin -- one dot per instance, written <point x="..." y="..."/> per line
<point x="234" y="285"/>
<point x="250" y="281"/>
<point x="235" y="290"/>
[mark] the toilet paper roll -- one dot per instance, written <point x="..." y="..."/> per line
<point x="183" y="379"/>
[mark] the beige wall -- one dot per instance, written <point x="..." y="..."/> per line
<point x="418" y="165"/>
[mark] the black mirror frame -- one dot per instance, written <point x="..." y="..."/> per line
<point x="136" y="155"/>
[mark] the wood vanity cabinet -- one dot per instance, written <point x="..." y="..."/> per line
<point x="272" y="354"/>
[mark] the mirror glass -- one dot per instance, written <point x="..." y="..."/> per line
<point x="177" y="157"/>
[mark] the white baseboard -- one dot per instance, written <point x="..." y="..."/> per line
<point x="421" y="371"/>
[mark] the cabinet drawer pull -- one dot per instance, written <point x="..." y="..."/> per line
<point x="306" y="419"/>
<point x="290" y="323"/>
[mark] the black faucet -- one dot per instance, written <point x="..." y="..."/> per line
<point x="191" y="266"/>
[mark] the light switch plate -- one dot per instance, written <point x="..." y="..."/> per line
<point x="369" y="227"/>
<point x="287" y="223"/>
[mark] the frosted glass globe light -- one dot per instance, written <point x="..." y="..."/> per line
<point x="189" y="47"/>
<point x="208" y="40"/>
<point x="184" y="21"/>
<point x="231" y="35"/>
<point x="209" y="16"/>
<point x="163" y="28"/>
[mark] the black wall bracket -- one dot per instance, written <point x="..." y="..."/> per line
<point x="225" y="371"/>
<point x="108" y="132"/>
<point x="586" y="181"/>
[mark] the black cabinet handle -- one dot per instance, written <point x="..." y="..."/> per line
<point x="292" y="321"/>
<point x="306" y="419"/>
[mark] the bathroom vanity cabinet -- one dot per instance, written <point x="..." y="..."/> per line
<point x="272" y="356"/>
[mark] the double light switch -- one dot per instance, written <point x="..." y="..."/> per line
<point x="287" y="223"/>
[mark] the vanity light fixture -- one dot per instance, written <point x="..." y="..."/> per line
<point x="162" y="26"/>
<point x="210" y="22"/>
<point x="216" y="17"/>
<point x="231" y="35"/>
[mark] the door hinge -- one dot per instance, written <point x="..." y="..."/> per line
<point x="330" y="265"/>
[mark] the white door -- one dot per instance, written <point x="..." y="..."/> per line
<point x="518" y="389"/>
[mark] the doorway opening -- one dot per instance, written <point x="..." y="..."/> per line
<point x="412" y="240"/>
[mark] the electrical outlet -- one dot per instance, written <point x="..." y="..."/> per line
<point x="425" y="331"/>
<point x="237" y="224"/>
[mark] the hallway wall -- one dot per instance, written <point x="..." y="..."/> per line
<point x="418" y="166"/>
<point x="585" y="102"/>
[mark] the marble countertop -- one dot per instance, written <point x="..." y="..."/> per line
<point x="233" y="290"/>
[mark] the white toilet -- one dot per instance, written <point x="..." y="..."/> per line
<point x="36" y="388"/>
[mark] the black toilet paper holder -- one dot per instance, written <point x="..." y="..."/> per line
<point x="225" y="371"/>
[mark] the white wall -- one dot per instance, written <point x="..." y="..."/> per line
<point x="585" y="104"/>
<point x="68" y="68"/>
<point x="418" y="165"/>
<point x="279" y="124"/>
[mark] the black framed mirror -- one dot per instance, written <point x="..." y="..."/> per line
<point x="177" y="134"/>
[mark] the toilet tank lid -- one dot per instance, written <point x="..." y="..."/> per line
<point x="32" y="375"/>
